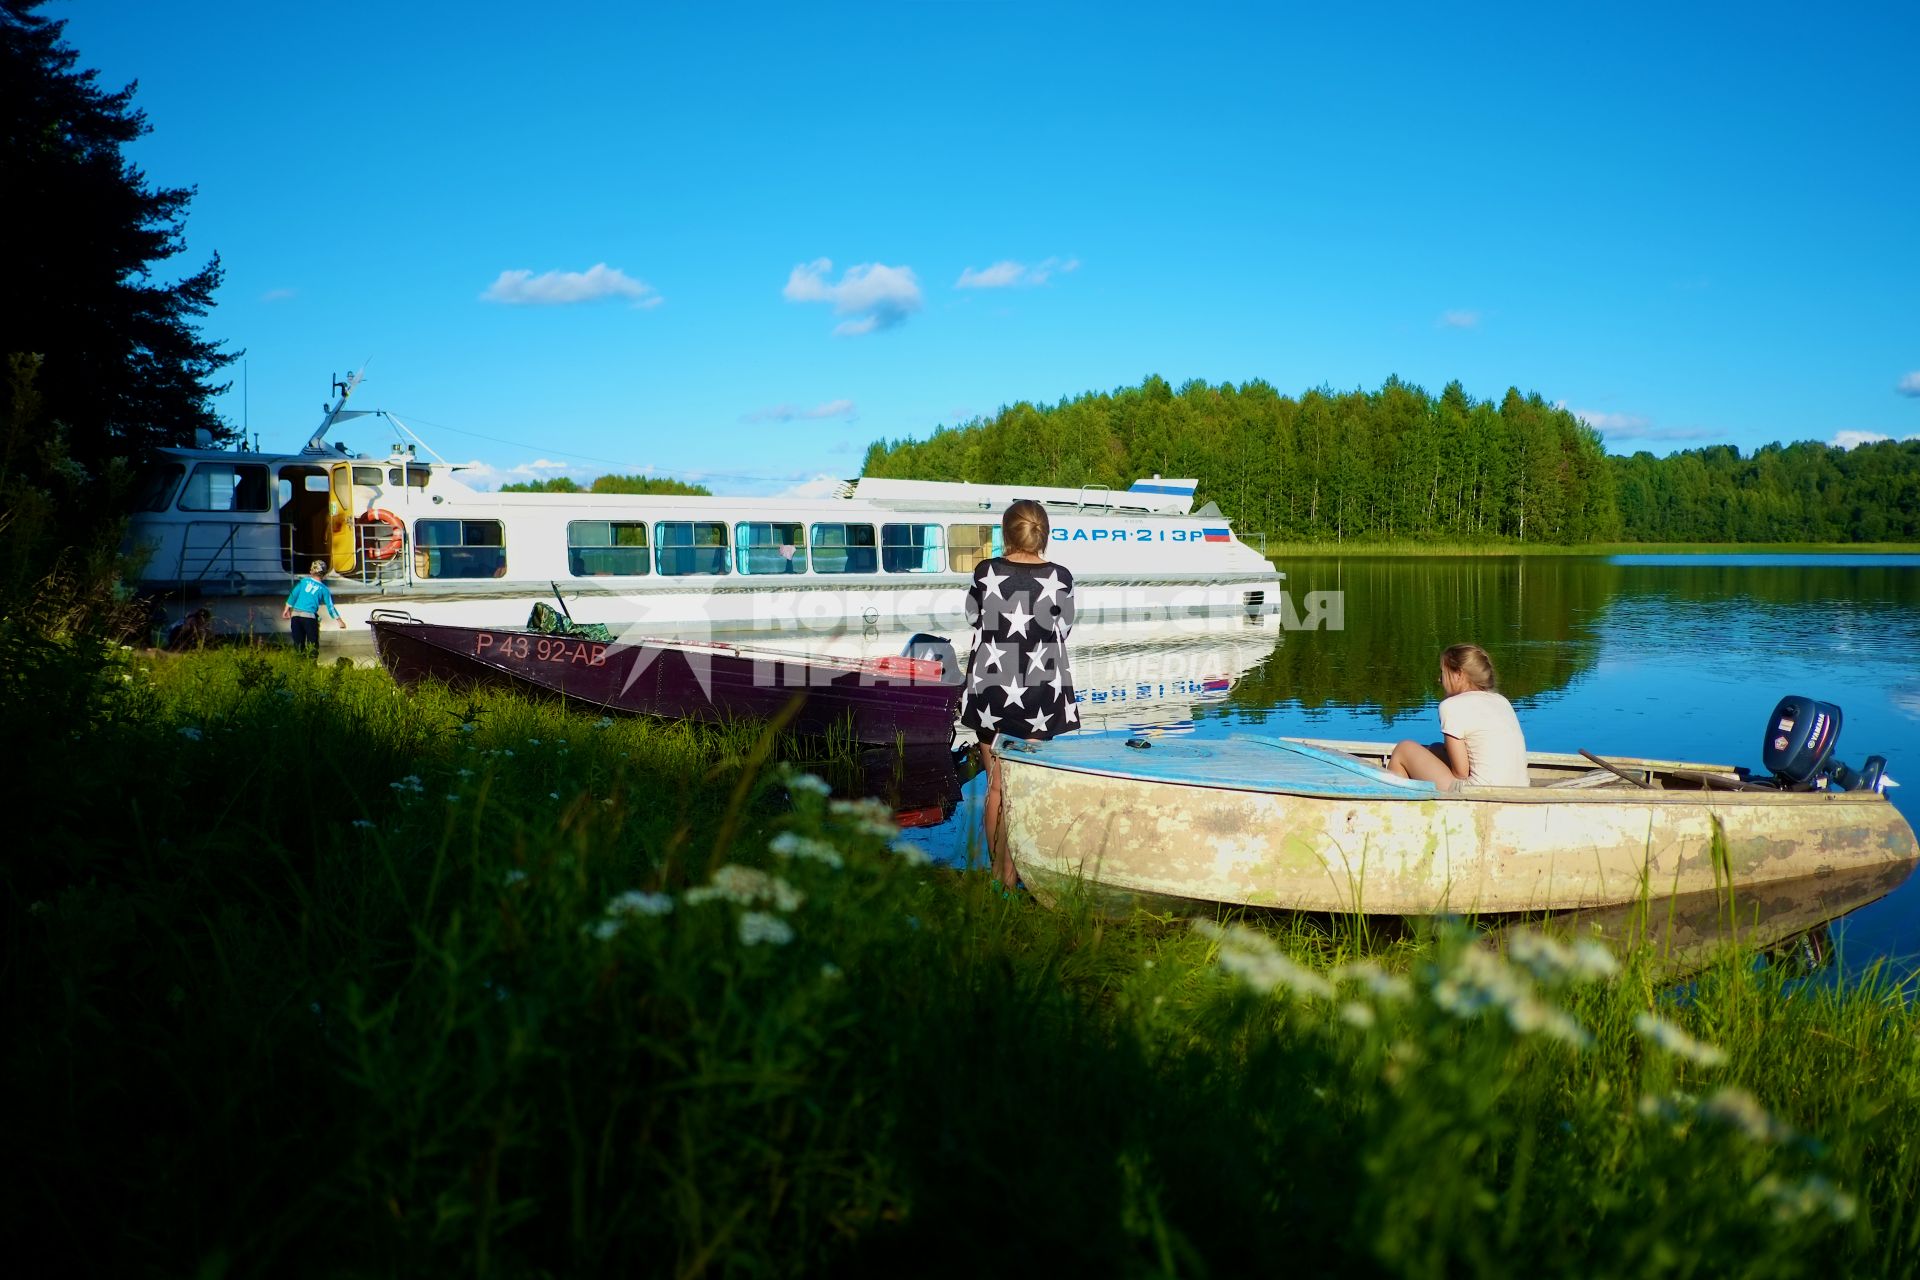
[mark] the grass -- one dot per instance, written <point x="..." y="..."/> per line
<point x="1418" y="547"/>
<point x="311" y="975"/>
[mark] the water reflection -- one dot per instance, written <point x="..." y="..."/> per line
<point x="1538" y="615"/>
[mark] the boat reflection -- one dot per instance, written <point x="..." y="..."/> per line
<point x="1784" y="920"/>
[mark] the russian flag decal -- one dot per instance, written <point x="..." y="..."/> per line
<point x="1218" y="535"/>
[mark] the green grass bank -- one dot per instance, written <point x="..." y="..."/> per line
<point x="313" y="976"/>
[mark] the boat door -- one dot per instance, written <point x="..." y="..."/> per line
<point x="342" y="541"/>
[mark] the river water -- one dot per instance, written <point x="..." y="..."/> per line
<point x="1670" y="656"/>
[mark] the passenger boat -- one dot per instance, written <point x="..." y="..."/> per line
<point x="1320" y="826"/>
<point x="230" y="530"/>
<point x="904" y="700"/>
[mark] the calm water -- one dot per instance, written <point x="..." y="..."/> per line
<point x="1670" y="656"/>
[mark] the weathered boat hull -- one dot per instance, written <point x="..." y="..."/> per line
<point x="871" y="702"/>
<point x="1266" y="822"/>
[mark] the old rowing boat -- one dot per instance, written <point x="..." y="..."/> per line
<point x="1317" y="826"/>
<point x="904" y="700"/>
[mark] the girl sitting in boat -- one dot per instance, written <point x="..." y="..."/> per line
<point x="1483" y="744"/>
<point x="1018" y="681"/>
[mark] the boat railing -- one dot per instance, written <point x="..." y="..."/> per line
<point x="231" y="554"/>
<point x="1105" y="492"/>
<point x="234" y="554"/>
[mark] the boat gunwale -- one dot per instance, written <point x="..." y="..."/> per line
<point x="1482" y="794"/>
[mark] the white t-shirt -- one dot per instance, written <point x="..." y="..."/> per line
<point x="1496" y="751"/>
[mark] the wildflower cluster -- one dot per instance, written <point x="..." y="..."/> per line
<point x="623" y="908"/>
<point x="751" y="888"/>
<point x="1480" y="981"/>
<point x="1253" y="957"/>
<point x="1677" y="1042"/>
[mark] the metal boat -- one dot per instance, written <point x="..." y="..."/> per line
<point x="905" y="700"/>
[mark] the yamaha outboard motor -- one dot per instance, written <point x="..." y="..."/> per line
<point x="1798" y="749"/>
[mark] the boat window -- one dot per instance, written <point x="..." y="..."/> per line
<point x="367" y="476"/>
<point x="910" y="548"/>
<point x="459" y="549"/>
<point x="227" y="486"/>
<point x="155" y="489"/>
<point x="415" y="477"/>
<point x="769" y="547"/>
<point x="311" y="481"/>
<point x="599" y="548"/>
<point x="690" y="546"/>
<point x="969" y="544"/>
<point x="844" y="548"/>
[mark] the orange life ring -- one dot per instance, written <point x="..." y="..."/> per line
<point x="388" y="547"/>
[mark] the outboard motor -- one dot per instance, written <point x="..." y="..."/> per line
<point x="1798" y="749"/>
<point x="932" y="648"/>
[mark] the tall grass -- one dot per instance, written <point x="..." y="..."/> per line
<point x="312" y="975"/>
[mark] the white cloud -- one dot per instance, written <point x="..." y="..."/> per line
<point x="1458" y="320"/>
<point x="1909" y="385"/>
<point x="1625" y="424"/>
<point x="562" y="288"/>
<point x="1008" y="274"/>
<point x="1854" y="439"/>
<point x="792" y="413"/>
<point x="873" y="294"/>
<point x="483" y="475"/>
<point x="283" y="295"/>
<point x="1633" y="426"/>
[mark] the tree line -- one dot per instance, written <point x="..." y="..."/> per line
<point x="1399" y="464"/>
<point x="659" y="485"/>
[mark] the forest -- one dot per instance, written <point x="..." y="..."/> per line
<point x="657" y="485"/>
<point x="1399" y="465"/>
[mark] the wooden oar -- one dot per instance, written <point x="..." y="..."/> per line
<point x="1615" y="770"/>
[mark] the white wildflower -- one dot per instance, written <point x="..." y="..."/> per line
<point x="1252" y="957"/>
<point x="604" y="722"/>
<point x="553" y="795"/>
<point x="790" y="844"/>
<point x="363" y="824"/>
<point x="1552" y="961"/>
<point x="452" y="798"/>
<point x="909" y="852"/>
<point x="798" y="782"/>
<point x="464" y="773"/>
<point x="471" y="726"/>
<point x="757" y="927"/>
<point x="1741" y="1111"/>
<point x="635" y="902"/>
<point x="605" y="930"/>
<point x="1377" y="981"/>
<point x="830" y="972"/>
<point x="870" y="817"/>
<point x="190" y="733"/>
<point x="1678" y="1042"/>
<point x="1532" y="1016"/>
<point x="1813" y="1194"/>
<point x="513" y="877"/>
<point x="746" y="886"/>
<point x="533" y="742"/>
<point x="1356" y="1014"/>
<point x="409" y="785"/>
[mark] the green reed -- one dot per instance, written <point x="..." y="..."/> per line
<point x="316" y="975"/>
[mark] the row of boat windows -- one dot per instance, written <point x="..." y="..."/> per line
<point x="248" y="486"/>
<point x="692" y="548"/>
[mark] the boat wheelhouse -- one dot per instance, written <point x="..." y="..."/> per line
<point x="232" y="529"/>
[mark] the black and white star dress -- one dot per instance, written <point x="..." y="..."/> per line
<point x="1019" y="682"/>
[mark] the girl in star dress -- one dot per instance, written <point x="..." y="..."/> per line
<point x="1018" y="682"/>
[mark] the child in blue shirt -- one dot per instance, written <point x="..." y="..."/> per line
<point x="304" y="602"/>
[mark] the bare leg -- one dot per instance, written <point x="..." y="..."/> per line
<point x="1412" y="760"/>
<point x="996" y="843"/>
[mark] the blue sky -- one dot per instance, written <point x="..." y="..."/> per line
<point x="741" y="242"/>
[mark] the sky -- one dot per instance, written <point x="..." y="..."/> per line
<point x="737" y="243"/>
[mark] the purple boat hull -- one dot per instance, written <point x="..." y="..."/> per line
<point x="891" y="700"/>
